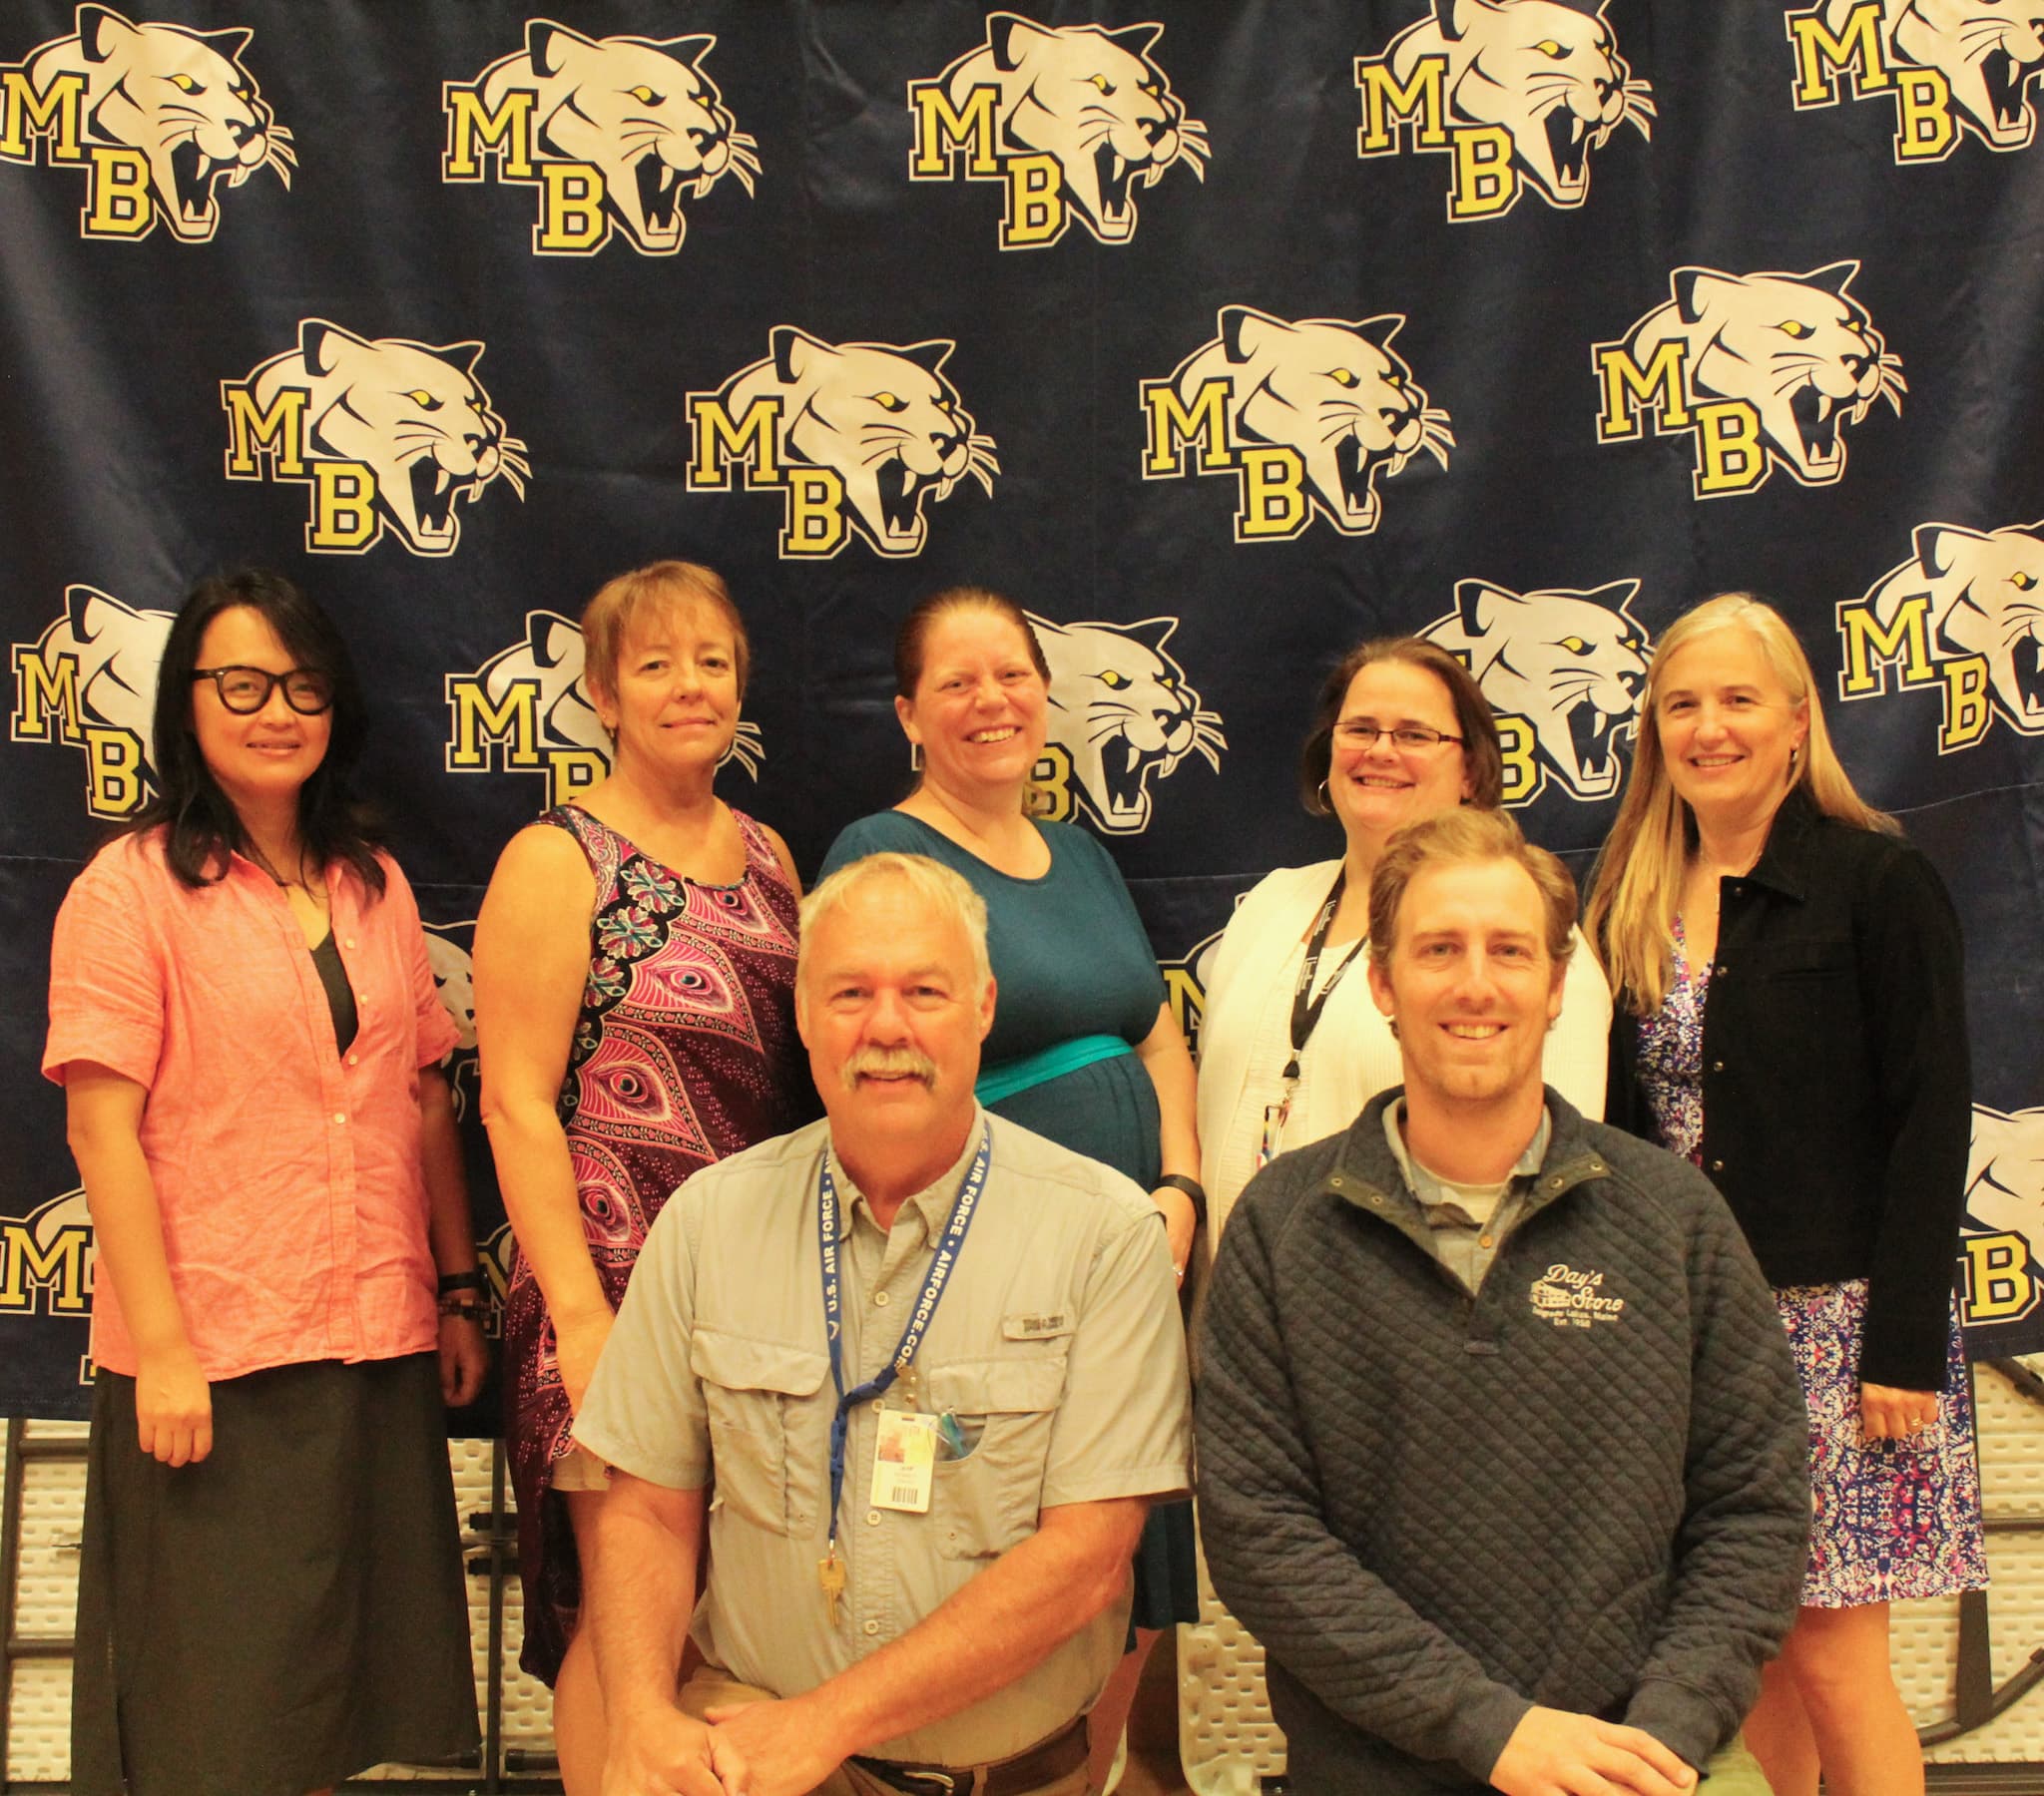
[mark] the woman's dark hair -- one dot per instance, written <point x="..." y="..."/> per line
<point x="1481" y="756"/>
<point x="200" y="824"/>
<point x="911" y="641"/>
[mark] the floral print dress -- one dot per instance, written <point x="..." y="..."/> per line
<point x="1889" y="1519"/>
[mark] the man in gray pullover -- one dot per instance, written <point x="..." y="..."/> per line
<point x="1501" y="1452"/>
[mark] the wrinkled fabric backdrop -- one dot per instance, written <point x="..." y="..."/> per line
<point x="1221" y="335"/>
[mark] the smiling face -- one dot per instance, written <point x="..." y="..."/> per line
<point x="262" y="760"/>
<point x="892" y="1012"/>
<point x="676" y="700"/>
<point x="980" y="708"/>
<point x="1728" y="727"/>
<point x="1376" y="786"/>
<point x="1469" y="983"/>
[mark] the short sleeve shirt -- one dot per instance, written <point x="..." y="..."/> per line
<point x="1056" y="1346"/>
<point x="287" y="1173"/>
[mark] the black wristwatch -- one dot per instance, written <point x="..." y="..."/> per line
<point x="1192" y="1188"/>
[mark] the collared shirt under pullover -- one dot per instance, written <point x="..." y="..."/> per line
<point x="1582" y="1488"/>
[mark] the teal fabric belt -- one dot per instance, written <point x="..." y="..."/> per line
<point x="1007" y="1078"/>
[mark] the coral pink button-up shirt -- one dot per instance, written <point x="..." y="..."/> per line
<point x="287" y="1173"/>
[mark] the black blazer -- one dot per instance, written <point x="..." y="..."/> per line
<point x="1838" y="1093"/>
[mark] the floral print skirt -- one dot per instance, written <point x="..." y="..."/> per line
<point x="1889" y="1519"/>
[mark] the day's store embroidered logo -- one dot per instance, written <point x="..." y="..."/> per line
<point x="1572" y="1299"/>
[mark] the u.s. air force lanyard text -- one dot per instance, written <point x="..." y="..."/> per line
<point x="1306" y="1013"/>
<point x="831" y="1569"/>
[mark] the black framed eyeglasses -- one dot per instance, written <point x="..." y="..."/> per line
<point x="306" y="691"/>
<point x="1363" y="732"/>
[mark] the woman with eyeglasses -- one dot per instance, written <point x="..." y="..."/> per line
<point x="1290" y="1046"/>
<point x="245" y="1025"/>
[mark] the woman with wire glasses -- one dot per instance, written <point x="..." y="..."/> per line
<point x="1292" y="1047"/>
<point x="245" y="1025"/>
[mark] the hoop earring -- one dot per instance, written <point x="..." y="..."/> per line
<point x="1325" y="806"/>
<point x="915" y="757"/>
<point x="1392" y="1023"/>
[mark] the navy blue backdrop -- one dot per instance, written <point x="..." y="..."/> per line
<point x="1220" y="335"/>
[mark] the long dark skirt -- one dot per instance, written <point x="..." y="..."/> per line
<point x="283" y="1614"/>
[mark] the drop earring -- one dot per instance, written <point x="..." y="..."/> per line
<point x="915" y="757"/>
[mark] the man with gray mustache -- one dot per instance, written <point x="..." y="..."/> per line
<point x="932" y="1364"/>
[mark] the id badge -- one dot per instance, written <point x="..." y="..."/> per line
<point x="904" y="1461"/>
<point x="1275" y="1115"/>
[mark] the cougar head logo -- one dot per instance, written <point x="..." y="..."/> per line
<point x="1797" y="348"/>
<point x="1988" y="50"/>
<point x="550" y="660"/>
<point x="884" y="418"/>
<point x="1987" y="592"/>
<point x="2005" y="1173"/>
<point x="1335" y="392"/>
<point x="412" y="413"/>
<point x="182" y="98"/>
<point x="1121" y="708"/>
<point x="1572" y="663"/>
<point x="641" y="111"/>
<point x="117" y="651"/>
<point x="1091" y="100"/>
<point x="1547" y="71"/>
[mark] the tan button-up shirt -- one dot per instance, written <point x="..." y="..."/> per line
<point x="1056" y="1347"/>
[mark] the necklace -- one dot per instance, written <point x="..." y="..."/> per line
<point x="301" y="883"/>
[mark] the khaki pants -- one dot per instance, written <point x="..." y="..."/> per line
<point x="709" y="1687"/>
<point x="1735" y="1772"/>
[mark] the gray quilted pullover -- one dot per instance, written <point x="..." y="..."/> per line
<point x="1584" y="1488"/>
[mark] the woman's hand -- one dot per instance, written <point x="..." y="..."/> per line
<point x="464" y="1357"/>
<point x="1889" y="1414"/>
<point x="1181" y="1222"/>
<point x="577" y="1345"/>
<point x="172" y="1406"/>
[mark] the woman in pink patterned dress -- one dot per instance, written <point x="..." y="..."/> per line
<point x="635" y="1008"/>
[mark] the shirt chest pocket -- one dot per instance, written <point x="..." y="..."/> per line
<point x="987" y="1499"/>
<point x="760" y="1395"/>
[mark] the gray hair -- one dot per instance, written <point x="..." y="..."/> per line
<point x="943" y="891"/>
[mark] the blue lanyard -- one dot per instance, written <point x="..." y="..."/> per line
<point x="942" y="1265"/>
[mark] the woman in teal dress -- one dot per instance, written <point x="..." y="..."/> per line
<point x="1084" y="1049"/>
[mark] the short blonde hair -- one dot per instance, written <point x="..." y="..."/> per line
<point x="1468" y="835"/>
<point x="947" y="893"/>
<point x="658" y="587"/>
<point x="1637" y="884"/>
